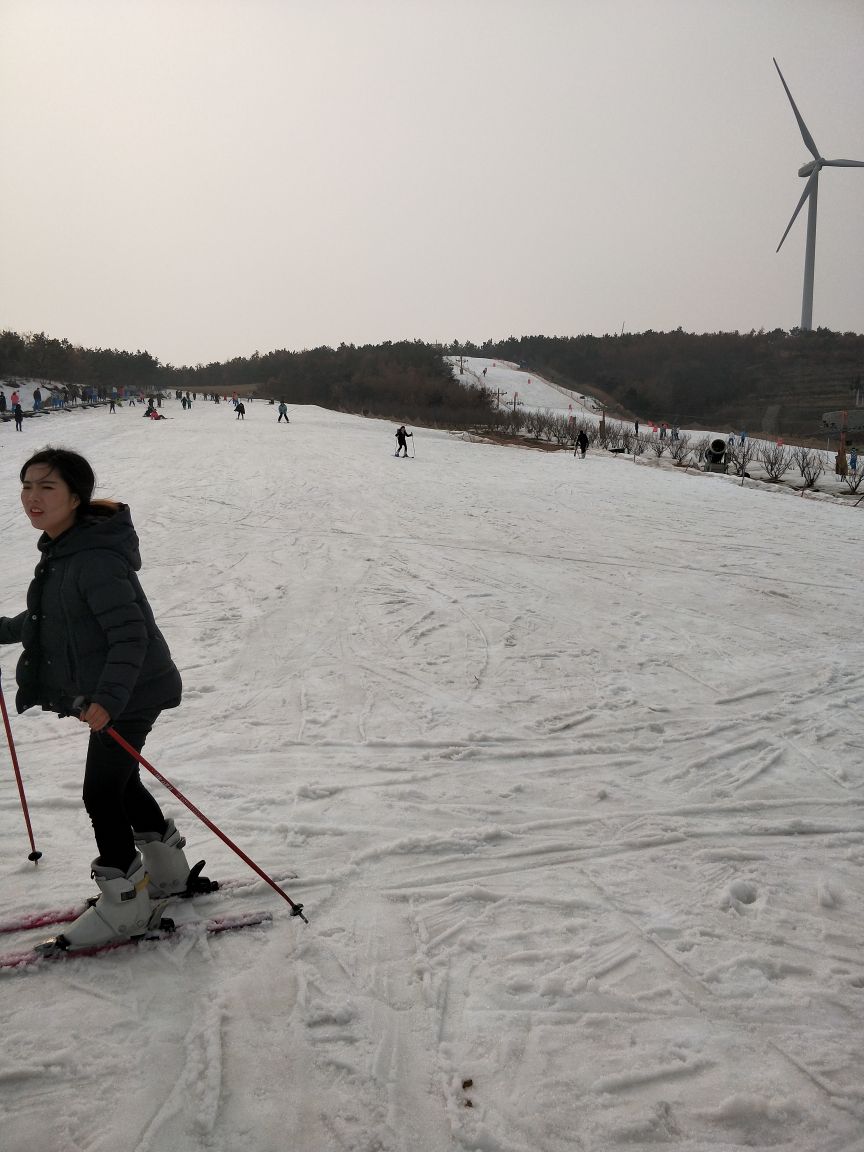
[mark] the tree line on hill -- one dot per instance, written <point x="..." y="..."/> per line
<point x="773" y="383"/>
<point x="407" y="380"/>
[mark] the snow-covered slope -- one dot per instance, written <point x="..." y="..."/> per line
<point x="521" y="386"/>
<point x="565" y="755"/>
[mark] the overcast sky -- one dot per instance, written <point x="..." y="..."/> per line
<point x="208" y="178"/>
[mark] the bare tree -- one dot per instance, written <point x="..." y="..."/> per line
<point x="536" y="423"/>
<point x="515" y="420"/>
<point x="680" y="449"/>
<point x="854" y="478"/>
<point x="776" y="459"/>
<point x="810" y="464"/>
<point x="559" y="428"/>
<point x="801" y="457"/>
<point x="742" y="455"/>
<point x="700" y="449"/>
<point x="614" y="434"/>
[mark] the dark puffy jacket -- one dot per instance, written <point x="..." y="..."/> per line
<point x="88" y="629"/>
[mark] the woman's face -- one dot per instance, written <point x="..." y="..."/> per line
<point x="47" y="499"/>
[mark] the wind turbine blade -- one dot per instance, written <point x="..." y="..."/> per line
<point x="808" y="139"/>
<point x="808" y="188"/>
<point x="845" y="163"/>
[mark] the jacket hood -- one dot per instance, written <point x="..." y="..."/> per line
<point x="106" y="525"/>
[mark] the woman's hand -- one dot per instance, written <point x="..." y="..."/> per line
<point x="96" y="716"/>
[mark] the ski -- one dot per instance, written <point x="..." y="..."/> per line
<point x="49" y="917"/>
<point x="167" y="930"/>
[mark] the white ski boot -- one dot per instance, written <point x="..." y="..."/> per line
<point x="170" y="874"/>
<point x="121" y="911"/>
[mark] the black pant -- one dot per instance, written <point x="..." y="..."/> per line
<point x="116" y="800"/>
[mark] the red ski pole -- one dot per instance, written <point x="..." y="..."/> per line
<point x="296" y="909"/>
<point x="34" y="855"/>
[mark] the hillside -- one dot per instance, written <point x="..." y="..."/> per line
<point x="773" y="384"/>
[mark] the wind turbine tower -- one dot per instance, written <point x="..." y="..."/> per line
<point x="811" y="191"/>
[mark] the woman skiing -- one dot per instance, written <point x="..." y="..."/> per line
<point x="88" y="632"/>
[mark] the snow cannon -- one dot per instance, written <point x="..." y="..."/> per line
<point x="715" y="456"/>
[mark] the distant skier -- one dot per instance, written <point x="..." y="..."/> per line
<point x="283" y="413"/>
<point x="18" y="413"/>
<point x="2" y="402"/>
<point x="401" y="440"/>
<point x="581" y="443"/>
<point x="240" y="410"/>
<point x="853" y="459"/>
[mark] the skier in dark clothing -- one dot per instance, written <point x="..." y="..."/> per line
<point x="401" y="441"/>
<point x="581" y="443"/>
<point x="18" y="413"/>
<point x="283" y="413"/>
<point x="89" y="635"/>
<point x="241" y="411"/>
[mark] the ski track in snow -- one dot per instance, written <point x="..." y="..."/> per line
<point x="566" y="756"/>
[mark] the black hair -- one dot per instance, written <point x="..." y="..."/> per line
<point x="72" y="468"/>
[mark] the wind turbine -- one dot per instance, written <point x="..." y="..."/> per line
<point x="811" y="191"/>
